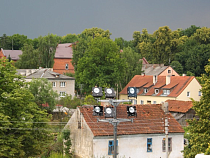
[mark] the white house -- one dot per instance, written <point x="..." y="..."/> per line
<point x="145" y="137"/>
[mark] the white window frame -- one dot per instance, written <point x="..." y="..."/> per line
<point x="188" y="94"/>
<point x="145" y="90"/>
<point x="154" y="102"/>
<point x="156" y="91"/>
<point x="54" y="84"/>
<point x="62" y="84"/>
<point x="62" y="93"/>
<point x="149" y="144"/>
<point x="67" y="66"/>
<point x="166" y="91"/>
<point x="169" y="144"/>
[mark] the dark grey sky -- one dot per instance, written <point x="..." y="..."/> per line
<point x="121" y="17"/>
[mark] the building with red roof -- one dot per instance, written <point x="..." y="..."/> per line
<point x="13" y="54"/>
<point x="158" y="89"/>
<point x="62" y="59"/>
<point x="144" y="136"/>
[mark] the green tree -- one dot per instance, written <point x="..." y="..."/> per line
<point x="5" y="42"/>
<point x="90" y="100"/>
<point x="101" y="65"/>
<point x="177" y="67"/>
<point x="29" y="59"/>
<point x="96" y="32"/>
<point x="69" y="38"/>
<point x="18" y="41"/>
<point x="47" y="46"/>
<point x="189" y="31"/>
<point x="70" y="102"/>
<point x="133" y="65"/>
<point x="198" y="129"/>
<point x="21" y="134"/>
<point x="43" y="93"/>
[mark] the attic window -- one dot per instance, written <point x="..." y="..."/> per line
<point x="145" y="90"/>
<point x="156" y="91"/>
<point x="67" y="66"/>
<point x="169" y="71"/>
<point x="166" y="91"/>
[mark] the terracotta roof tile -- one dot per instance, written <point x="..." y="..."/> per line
<point x="177" y="84"/>
<point x="179" y="106"/>
<point x="150" y="119"/>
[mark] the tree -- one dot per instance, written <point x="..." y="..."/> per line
<point x="23" y="131"/>
<point x="133" y="65"/>
<point x="96" y="32"/>
<point x="43" y="93"/>
<point x="69" y="38"/>
<point x="189" y="31"/>
<point x="100" y="65"/>
<point x="29" y="59"/>
<point x="177" y="67"/>
<point x="70" y="102"/>
<point x="5" y="42"/>
<point x="47" y="46"/>
<point x="198" y="129"/>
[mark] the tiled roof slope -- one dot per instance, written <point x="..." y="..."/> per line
<point x="153" y="69"/>
<point x="14" y="54"/>
<point x="177" y="84"/>
<point x="179" y="106"/>
<point x="64" y="51"/>
<point x="46" y="73"/>
<point x="149" y="120"/>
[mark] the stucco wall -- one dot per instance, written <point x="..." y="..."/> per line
<point x="135" y="146"/>
<point x="165" y="72"/>
<point x="194" y="87"/>
<point x="82" y="139"/>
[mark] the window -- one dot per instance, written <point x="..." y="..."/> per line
<point x="199" y="93"/>
<point x="156" y="91"/>
<point x="188" y="94"/>
<point x="169" y="71"/>
<point x="154" y="102"/>
<point x="62" y="94"/>
<point x="149" y="144"/>
<point x="148" y="101"/>
<point x="54" y="84"/>
<point x="145" y="90"/>
<point x="111" y="147"/>
<point x="79" y="125"/>
<point x="166" y="91"/>
<point x="169" y="144"/>
<point x="142" y="102"/>
<point x="67" y="66"/>
<point x="62" y="84"/>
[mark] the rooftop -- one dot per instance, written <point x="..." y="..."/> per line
<point x="64" y="51"/>
<point x="179" y="106"/>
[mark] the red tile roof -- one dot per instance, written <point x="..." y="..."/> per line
<point x="177" y="84"/>
<point x="149" y="120"/>
<point x="179" y="106"/>
<point x="14" y="54"/>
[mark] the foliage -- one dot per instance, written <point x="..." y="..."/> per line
<point x="189" y="31"/>
<point x="96" y="32"/>
<point x="69" y="38"/>
<point x="29" y="59"/>
<point x="21" y="133"/>
<point x="70" y="102"/>
<point x="43" y="93"/>
<point x="198" y="129"/>
<point x="67" y="143"/>
<point x="90" y="100"/>
<point x="101" y="65"/>
<point x="177" y="67"/>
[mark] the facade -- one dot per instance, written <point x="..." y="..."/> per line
<point x="61" y="83"/>
<point x="63" y="58"/>
<point x="14" y="54"/>
<point x="181" y="111"/>
<point x="145" y="136"/>
<point x="158" y="89"/>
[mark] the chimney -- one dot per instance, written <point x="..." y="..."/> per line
<point x="168" y="80"/>
<point x="154" y="79"/>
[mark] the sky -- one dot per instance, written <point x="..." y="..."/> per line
<point x="35" y="18"/>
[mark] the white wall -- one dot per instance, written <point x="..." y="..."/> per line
<point x="135" y="146"/>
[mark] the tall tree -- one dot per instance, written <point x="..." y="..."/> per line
<point x="189" y="31"/>
<point x="198" y="129"/>
<point x="69" y="38"/>
<point x="29" y="59"/>
<point x="47" y="46"/>
<point x="5" y="42"/>
<point x="23" y="131"/>
<point x="96" y="32"/>
<point x="101" y="65"/>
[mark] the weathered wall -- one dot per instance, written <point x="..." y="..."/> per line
<point x="60" y="66"/>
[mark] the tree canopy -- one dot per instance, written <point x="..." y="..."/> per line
<point x="23" y="126"/>
<point x="198" y="129"/>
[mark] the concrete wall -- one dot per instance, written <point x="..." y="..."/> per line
<point x="82" y="138"/>
<point x="135" y="146"/>
<point x="194" y="87"/>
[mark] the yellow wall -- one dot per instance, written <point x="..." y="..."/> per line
<point x="194" y="87"/>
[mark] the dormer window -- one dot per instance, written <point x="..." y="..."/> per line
<point x="156" y="91"/>
<point x="145" y="90"/>
<point x="169" y="71"/>
<point x="166" y="91"/>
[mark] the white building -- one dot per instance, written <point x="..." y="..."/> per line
<point x="145" y="137"/>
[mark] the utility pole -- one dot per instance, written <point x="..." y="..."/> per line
<point x="115" y="121"/>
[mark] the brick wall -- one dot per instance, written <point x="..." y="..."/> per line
<point x="60" y="66"/>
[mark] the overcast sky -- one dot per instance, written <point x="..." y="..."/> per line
<point x="121" y="17"/>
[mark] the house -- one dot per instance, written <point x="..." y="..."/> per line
<point x="181" y="110"/>
<point x="144" y="136"/>
<point x="157" y="89"/>
<point x="61" y="83"/>
<point x="13" y="54"/>
<point x="63" y="58"/>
